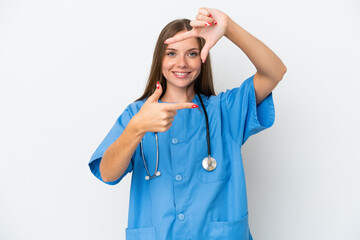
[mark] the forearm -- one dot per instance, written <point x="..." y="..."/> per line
<point x="264" y="59"/>
<point x="117" y="156"/>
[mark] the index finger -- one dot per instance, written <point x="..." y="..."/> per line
<point x="180" y="37"/>
<point x="177" y="106"/>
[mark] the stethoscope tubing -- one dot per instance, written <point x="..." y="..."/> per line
<point x="207" y="126"/>
<point x="157" y="159"/>
<point x="158" y="173"/>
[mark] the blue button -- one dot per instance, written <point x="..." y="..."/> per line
<point x="178" y="178"/>
<point x="181" y="216"/>
<point x="174" y="140"/>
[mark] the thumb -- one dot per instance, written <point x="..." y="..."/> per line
<point x="156" y="94"/>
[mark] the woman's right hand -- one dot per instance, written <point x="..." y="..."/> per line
<point x="157" y="117"/>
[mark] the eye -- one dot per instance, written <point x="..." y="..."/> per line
<point x="193" y="54"/>
<point x="170" y="54"/>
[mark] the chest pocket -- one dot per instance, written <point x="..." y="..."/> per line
<point x="223" y="164"/>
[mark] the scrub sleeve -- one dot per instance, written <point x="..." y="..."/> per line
<point x="111" y="137"/>
<point x="244" y="116"/>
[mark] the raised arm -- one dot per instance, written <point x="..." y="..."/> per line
<point x="212" y="24"/>
<point x="270" y="69"/>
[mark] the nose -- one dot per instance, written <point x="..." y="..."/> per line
<point x="181" y="61"/>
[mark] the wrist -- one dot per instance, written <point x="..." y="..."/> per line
<point x="229" y="25"/>
<point x="135" y="126"/>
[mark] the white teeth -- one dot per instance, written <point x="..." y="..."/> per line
<point x="181" y="74"/>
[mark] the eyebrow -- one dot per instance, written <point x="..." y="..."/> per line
<point x="188" y="49"/>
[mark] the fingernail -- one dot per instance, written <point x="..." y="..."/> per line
<point x="195" y="106"/>
<point x="203" y="60"/>
<point x="208" y="24"/>
<point x="157" y="85"/>
<point x="210" y="15"/>
<point x="215" y="22"/>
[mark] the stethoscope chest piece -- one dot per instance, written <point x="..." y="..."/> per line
<point x="209" y="163"/>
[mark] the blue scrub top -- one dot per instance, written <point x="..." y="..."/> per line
<point x="186" y="201"/>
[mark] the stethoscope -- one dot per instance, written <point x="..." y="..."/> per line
<point x="208" y="163"/>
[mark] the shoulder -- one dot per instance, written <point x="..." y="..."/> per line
<point x="129" y="112"/>
<point x="233" y="94"/>
<point x="134" y="107"/>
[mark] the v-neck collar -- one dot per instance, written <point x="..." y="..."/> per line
<point x="195" y="99"/>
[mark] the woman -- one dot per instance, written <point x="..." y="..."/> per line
<point x="188" y="180"/>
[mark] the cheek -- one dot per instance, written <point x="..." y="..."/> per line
<point x="165" y="71"/>
<point x="166" y="65"/>
<point x="197" y="66"/>
<point x="196" y="63"/>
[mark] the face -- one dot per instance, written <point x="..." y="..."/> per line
<point x="181" y="62"/>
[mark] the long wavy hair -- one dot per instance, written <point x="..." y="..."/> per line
<point x="203" y="83"/>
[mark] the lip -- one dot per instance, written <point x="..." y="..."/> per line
<point x="178" y="76"/>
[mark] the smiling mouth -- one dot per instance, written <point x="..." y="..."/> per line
<point x="181" y="74"/>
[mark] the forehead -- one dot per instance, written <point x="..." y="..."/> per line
<point x="184" y="44"/>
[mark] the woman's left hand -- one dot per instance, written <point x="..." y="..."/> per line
<point x="210" y="24"/>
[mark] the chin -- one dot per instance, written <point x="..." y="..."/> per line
<point x="181" y="84"/>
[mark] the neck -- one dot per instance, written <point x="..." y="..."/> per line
<point x="179" y="94"/>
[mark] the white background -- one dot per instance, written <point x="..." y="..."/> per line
<point x="69" y="68"/>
